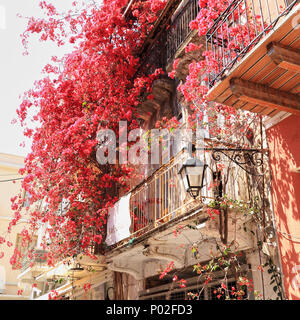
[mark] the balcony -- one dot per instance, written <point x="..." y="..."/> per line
<point x="169" y="37"/>
<point x="170" y="34"/>
<point x="179" y="32"/>
<point x="39" y="258"/>
<point x="156" y="202"/>
<point x="63" y="277"/>
<point x="160" y="202"/>
<point x="160" y="199"/>
<point x="258" y="72"/>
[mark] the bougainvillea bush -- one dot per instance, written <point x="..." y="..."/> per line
<point x="92" y="88"/>
<point x="234" y="35"/>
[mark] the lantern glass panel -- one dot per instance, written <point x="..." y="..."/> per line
<point x="185" y="180"/>
<point x="195" y="176"/>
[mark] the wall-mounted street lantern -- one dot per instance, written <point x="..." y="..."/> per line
<point x="193" y="170"/>
<point x="192" y="175"/>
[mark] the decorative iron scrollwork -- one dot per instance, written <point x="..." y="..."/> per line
<point x="244" y="158"/>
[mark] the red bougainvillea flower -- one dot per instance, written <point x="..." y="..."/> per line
<point x="87" y="287"/>
<point x="182" y="283"/>
<point x="20" y="292"/>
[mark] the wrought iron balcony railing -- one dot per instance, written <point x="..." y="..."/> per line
<point x="171" y="38"/>
<point x="39" y="257"/>
<point x="241" y="26"/>
<point x="155" y="58"/>
<point x="159" y="199"/>
<point x="179" y="29"/>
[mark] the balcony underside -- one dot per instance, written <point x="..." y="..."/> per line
<point x="173" y="243"/>
<point x="267" y="80"/>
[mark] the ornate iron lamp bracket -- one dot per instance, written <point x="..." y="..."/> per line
<point x="244" y="158"/>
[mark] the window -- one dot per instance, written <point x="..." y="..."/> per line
<point x="193" y="291"/>
<point x="27" y="197"/>
<point x="158" y="297"/>
<point x="195" y="294"/>
<point x="215" y="293"/>
<point x="23" y="247"/>
<point x="180" y="295"/>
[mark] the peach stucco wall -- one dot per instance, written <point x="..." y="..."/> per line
<point x="284" y="144"/>
<point x="9" y="166"/>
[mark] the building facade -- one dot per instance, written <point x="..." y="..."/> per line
<point x="264" y="79"/>
<point x="158" y="235"/>
<point x="9" y="167"/>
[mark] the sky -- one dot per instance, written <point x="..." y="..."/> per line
<point x="18" y="72"/>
